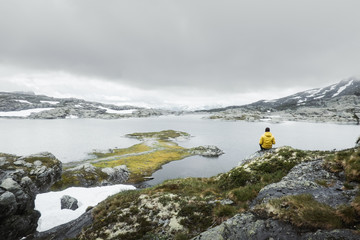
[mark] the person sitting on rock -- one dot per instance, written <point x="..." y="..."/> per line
<point x="267" y="140"/>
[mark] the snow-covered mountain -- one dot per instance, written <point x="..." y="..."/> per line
<point x="318" y="97"/>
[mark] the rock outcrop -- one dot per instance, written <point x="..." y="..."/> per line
<point x="248" y="226"/>
<point x="207" y="151"/>
<point x="87" y="175"/>
<point x="68" y="202"/>
<point x="21" y="178"/>
<point x="320" y="193"/>
<point x="65" y="231"/>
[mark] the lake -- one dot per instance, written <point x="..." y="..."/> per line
<point x="72" y="139"/>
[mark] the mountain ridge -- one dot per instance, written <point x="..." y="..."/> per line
<point x="309" y="98"/>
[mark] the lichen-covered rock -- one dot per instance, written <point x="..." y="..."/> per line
<point x="68" y="202"/>
<point x="21" y="178"/>
<point x="87" y="175"/>
<point x="306" y="178"/>
<point x="248" y="226"/>
<point x="207" y="151"/>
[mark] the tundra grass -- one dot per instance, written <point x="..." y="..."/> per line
<point x="142" y="160"/>
<point x="304" y="211"/>
<point x="347" y="161"/>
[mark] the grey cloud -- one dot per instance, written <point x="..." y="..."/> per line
<point x="223" y="45"/>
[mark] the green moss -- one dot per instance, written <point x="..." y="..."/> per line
<point x="322" y="182"/>
<point x="303" y="211"/>
<point x="246" y="193"/>
<point x="165" y="200"/>
<point x="163" y="135"/>
<point x="181" y="236"/>
<point x="237" y="177"/>
<point x="79" y="178"/>
<point x="225" y="211"/>
<point x="197" y="216"/>
<point x="47" y="161"/>
<point x="347" y="161"/>
<point x="135" y="149"/>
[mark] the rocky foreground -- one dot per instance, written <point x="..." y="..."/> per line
<point x="280" y="194"/>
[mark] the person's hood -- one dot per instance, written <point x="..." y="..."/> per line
<point x="268" y="134"/>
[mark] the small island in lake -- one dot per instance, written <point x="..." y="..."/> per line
<point x="133" y="164"/>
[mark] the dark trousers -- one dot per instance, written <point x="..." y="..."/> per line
<point x="263" y="149"/>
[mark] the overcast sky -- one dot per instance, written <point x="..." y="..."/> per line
<point x="177" y="53"/>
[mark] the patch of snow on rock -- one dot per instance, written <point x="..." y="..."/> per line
<point x="23" y="113"/>
<point x="126" y="111"/>
<point x="49" y="204"/>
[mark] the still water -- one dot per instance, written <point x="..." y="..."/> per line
<point x="72" y="139"/>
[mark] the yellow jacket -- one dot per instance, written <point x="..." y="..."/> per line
<point x="267" y="140"/>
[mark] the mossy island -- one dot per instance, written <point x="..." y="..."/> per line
<point x="133" y="164"/>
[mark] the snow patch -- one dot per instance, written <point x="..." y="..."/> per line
<point x="23" y="101"/>
<point x="71" y="117"/>
<point x="48" y="204"/>
<point x="269" y="101"/>
<point x="313" y="92"/>
<point x="321" y="96"/>
<point x="23" y="113"/>
<point x="50" y="102"/>
<point x="343" y="88"/>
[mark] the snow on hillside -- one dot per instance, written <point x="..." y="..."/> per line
<point x="23" y="113"/>
<point x="343" y="88"/>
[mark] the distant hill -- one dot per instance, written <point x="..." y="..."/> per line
<point x="317" y="97"/>
<point x="30" y="105"/>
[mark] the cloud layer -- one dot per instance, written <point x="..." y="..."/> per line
<point x="229" y="47"/>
